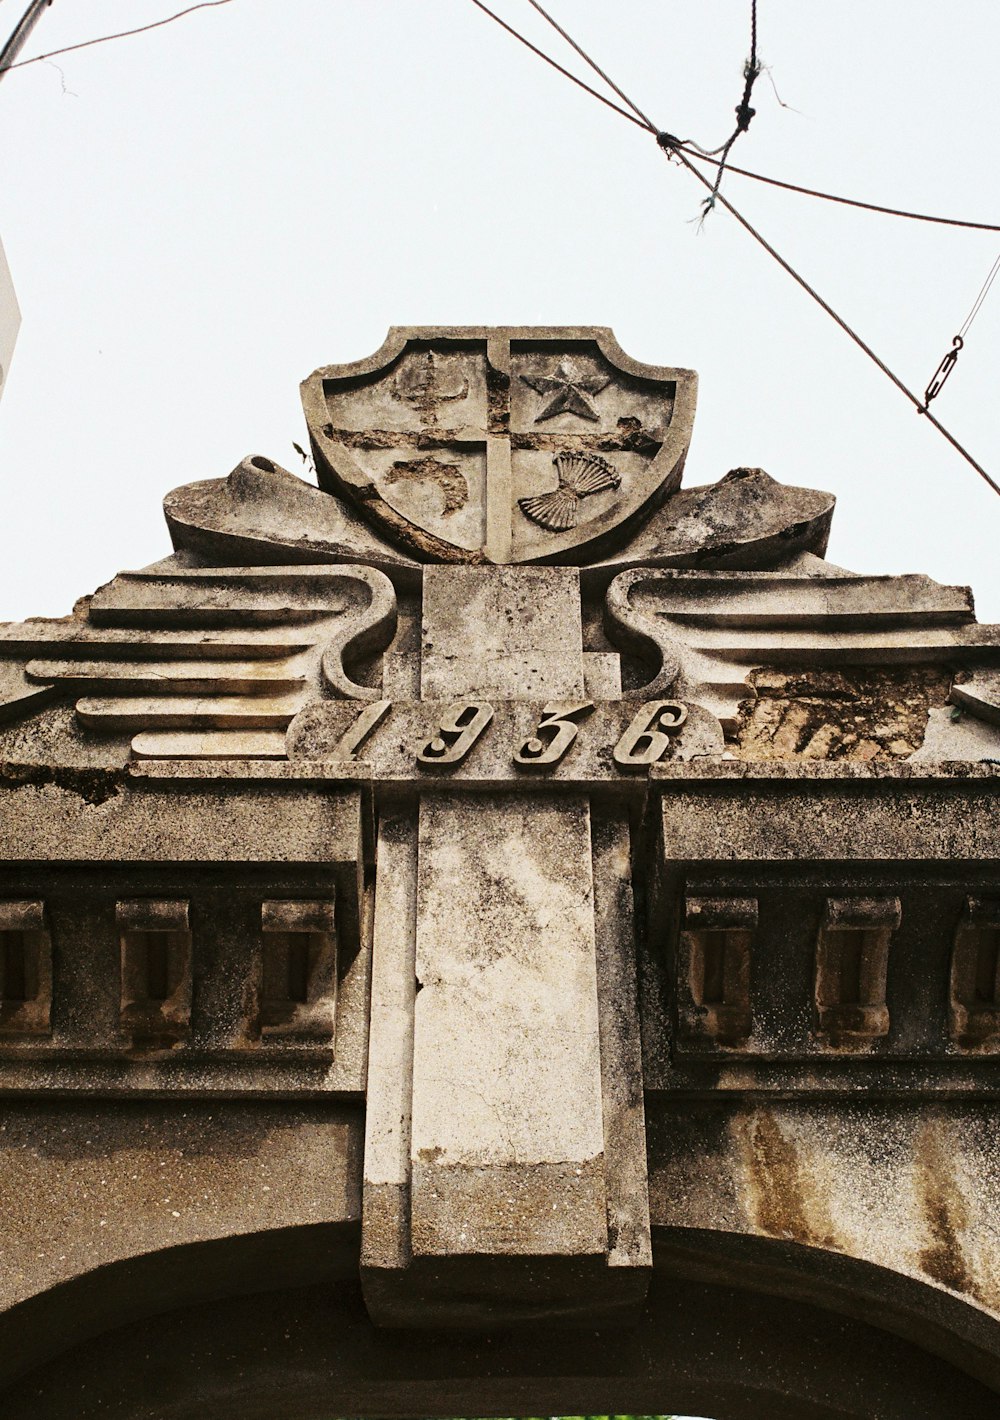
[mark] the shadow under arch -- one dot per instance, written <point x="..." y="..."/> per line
<point x="272" y="1326"/>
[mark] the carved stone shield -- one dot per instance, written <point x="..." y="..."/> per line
<point x="501" y="444"/>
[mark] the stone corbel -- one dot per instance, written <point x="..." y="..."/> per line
<point x="974" y="1008"/>
<point x="852" y="958"/>
<point x="298" y="991"/>
<point x="155" y="939"/>
<point x="25" y="970"/>
<point x="713" y="969"/>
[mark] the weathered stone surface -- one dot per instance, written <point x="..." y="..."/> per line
<point x="506" y="1045"/>
<point x="822" y="849"/>
<point x="745" y="521"/>
<point x="890" y="1183"/>
<point x="210" y="744"/>
<point x="952" y="735"/>
<point x="263" y="514"/>
<point x="501" y="631"/>
<point x="503" y="444"/>
<point x="54" y="817"/>
<point x="141" y="1177"/>
<point x="19" y="695"/>
<point x="818" y="811"/>
<point x="185" y="648"/>
<point x="857" y="715"/>
<point x="328" y="731"/>
<point x="516" y="1066"/>
<point x="979" y="694"/>
<point x="513" y="891"/>
<point x="712" y="629"/>
<point x="224" y="850"/>
<point x="385" y="1240"/>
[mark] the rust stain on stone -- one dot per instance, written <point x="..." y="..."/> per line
<point x="783" y="1201"/>
<point x="945" y="1214"/>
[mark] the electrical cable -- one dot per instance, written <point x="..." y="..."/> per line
<point x="944" y="369"/>
<point x="978" y="302"/>
<point x="648" y="122"/>
<point x="20" y="34"/>
<point x="744" y="113"/>
<point x="843" y="201"/>
<point x="688" y="146"/>
<point x="121" y="34"/>
<point x="566" y="72"/>
<point x="672" y="147"/>
<point x="847" y="329"/>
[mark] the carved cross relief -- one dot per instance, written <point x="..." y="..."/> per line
<point x="500" y="445"/>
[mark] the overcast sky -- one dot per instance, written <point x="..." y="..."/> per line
<point x="197" y="217"/>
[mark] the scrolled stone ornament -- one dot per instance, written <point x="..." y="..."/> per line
<point x="459" y="731"/>
<point x="647" y="738"/>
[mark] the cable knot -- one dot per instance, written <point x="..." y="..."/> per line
<point x="668" y="142"/>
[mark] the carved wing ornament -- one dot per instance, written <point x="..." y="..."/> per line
<point x="712" y="629"/>
<point x="172" y="654"/>
<point x="488" y="447"/>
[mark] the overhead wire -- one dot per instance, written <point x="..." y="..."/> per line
<point x="847" y="329"/>
<point x="744" y="114"/>
<point x="674" y="149"/>
<point x="120" y="34"/>
<point x="978" y="302"/>
<point x="688" y="146"/>
<point x="648" y="122"/>
<point x="700" y="157"/>
<point x="19" y="36"/>
<point x="567" y="73"/>
<point x="948" y="363"/>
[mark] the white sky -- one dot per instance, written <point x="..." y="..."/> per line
<point x="197" y="217"/>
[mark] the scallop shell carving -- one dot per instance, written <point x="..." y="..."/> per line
<point x="555" y="511"/>
<point x="579" y="476"/>
<point x="585" y="473"/>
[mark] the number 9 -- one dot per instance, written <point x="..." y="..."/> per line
<point x="460" y="729"/>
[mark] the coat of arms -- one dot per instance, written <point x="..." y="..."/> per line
<point x="507" y="444"/>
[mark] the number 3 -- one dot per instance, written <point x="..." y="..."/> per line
<point x="557" y="716"/>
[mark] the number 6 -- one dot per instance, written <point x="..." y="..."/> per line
<point x="650" y="725"/>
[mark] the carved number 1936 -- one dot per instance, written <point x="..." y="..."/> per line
<point x="646" y="739"/>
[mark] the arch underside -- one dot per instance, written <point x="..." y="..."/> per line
<point x="272" y="1326"/>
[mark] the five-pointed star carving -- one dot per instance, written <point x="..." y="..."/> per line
<point x="570" y="389"/>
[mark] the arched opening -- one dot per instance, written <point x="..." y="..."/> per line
<point x="273" y="1327"/>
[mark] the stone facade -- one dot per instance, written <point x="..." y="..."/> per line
<point x="500" y="931"/>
